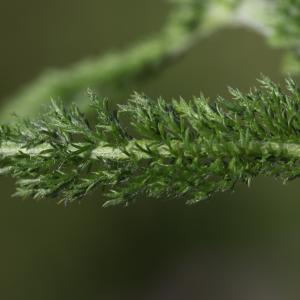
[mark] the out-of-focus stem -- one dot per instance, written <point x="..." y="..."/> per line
<point x="115" y="73"/>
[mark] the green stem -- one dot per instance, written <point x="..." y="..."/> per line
<point x="113" y="74"/>
<point x="283" y="150"/>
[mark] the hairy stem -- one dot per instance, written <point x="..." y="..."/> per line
<point x="277" y="149"/>
<point x="165" y="149"/>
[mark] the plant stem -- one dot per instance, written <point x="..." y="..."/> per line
<point x="283" y="150"/>
<point x="116" y="73"/>
<point x="255" y="15"/>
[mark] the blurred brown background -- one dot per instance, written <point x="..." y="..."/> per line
<point x="244" y="245"/>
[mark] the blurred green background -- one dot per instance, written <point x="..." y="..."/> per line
<point x="244" y="245"/>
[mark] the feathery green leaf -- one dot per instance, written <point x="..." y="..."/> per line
<point x="189" y="149"/>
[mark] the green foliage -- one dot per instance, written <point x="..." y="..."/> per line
<point x="287" y="32"/>
<point x="287" y="23"/>
<point x="188" y="149"/>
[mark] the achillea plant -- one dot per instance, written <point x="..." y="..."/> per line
<point x="188" y="149"/>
